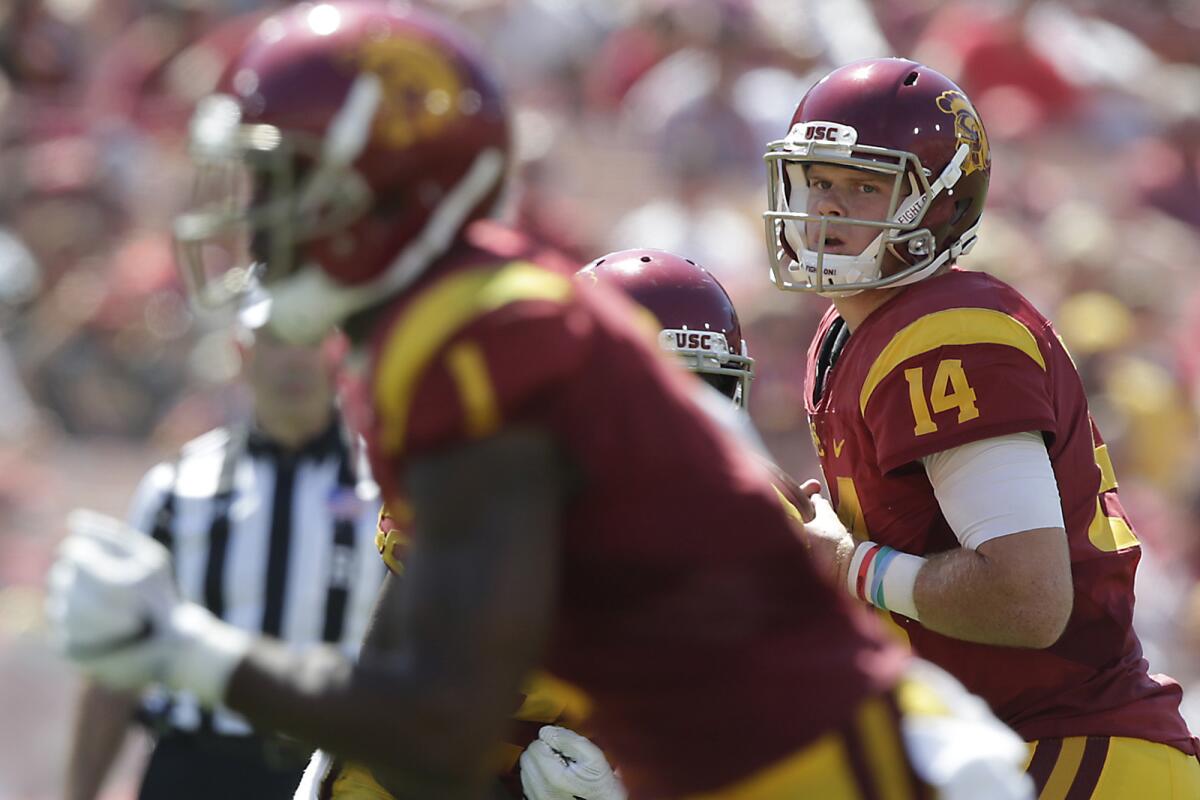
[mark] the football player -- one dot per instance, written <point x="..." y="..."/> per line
<point x="695" y="319"/>
<point x="559" y="519"/>
<point x="977" y="500"/>
<point x="696" y="322"/>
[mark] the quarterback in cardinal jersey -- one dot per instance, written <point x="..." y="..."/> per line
<point x="978" y="499"/>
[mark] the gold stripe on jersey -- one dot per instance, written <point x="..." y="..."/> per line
<point x="387" y="544"/>
<point x="548" y="699"/>
<point x="470" y="373"/>
<point x="820" y="770"/>
<point x="435" y="316"/>
<point x="1110" y="534"/>
<point x="788" y="507"/>
<point x="398" y="510"/>
<point x="1108" y="476"/>
<point x="1063" y="775"/>
<point x="824" y="768"/>
<point x="355" y="782"/>
<point x="850" y="511"/>
<point x="954" y="326"/>
<point x="885" y="754"/>
<point x="1118" y="768"/>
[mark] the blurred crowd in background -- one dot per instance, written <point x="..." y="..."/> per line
<point x="638" y="123"/>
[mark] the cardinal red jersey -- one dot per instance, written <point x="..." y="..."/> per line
<point x="958" y="358"/>
<point x="690" y="620"/>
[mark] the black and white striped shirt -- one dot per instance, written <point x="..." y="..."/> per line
<point x="273" y="541"/>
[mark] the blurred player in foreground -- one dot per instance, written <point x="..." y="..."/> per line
<point x="977" y="501"/>
<point x="622" y="540"/>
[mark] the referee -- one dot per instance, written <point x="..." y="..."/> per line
<point x="271" y="523"/>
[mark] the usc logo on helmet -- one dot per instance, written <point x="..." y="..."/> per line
<point x="967" y="128"/>
<point x="421" y="90"/>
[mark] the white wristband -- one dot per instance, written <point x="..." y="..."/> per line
<point x="884" y="577"/>
<point x="209" y="650"/>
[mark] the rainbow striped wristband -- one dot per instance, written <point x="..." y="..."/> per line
<point x="884" y="577"/>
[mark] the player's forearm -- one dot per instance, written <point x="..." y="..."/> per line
<point x="965" y="595"/>
<point x="451" y="643"/>
<point x="382" y="713"/>
<point x="421" y="724"/>
<point x="450" y="647"/>
<point x="100" y="727"/>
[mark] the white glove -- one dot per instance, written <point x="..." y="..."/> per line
<point x="314" y="777"/>
<point x="113" y="610"/>
<point x="962" y="749"/>
<point x="562" y="765"/>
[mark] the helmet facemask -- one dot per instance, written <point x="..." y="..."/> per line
<point x="911" y="245"/>
<point x="707" y="354"/>
<point x="258" y="197"/>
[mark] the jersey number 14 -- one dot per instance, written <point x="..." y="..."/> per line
<point x="950" y="390"/>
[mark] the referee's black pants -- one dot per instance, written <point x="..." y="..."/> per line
<point x="192" y="767"/>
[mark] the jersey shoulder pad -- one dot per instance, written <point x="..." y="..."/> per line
<point x="470" y="351"/>
<point x="953" y="376"/>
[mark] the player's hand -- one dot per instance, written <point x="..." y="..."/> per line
<point x="562" y="765"/>
<point x="113" y="610"/>
<point x="956" y="744"/>
<point x="830" y="544"/>
<point x="803" y="500"/>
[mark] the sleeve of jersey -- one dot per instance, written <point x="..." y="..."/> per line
<point x="500" y="368"/>
<point x="952" y="395"/>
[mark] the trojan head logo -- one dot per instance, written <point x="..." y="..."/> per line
<point x="967" y="129"/>
<point x="421" y="90"/>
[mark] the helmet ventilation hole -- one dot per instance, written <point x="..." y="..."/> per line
<point x="693" y="263"/>
<point x="911" y="80"/>
<point x="645" y="259"/>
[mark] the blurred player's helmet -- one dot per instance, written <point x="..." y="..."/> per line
<point x="347" y="147"/>
<point x="892" y="117"/>
<point x="697" y="320"/>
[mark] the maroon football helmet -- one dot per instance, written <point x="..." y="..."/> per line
<point x="895" y="118"/>
<point x="349" y="144"/>
<point x="697" y="320"/>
